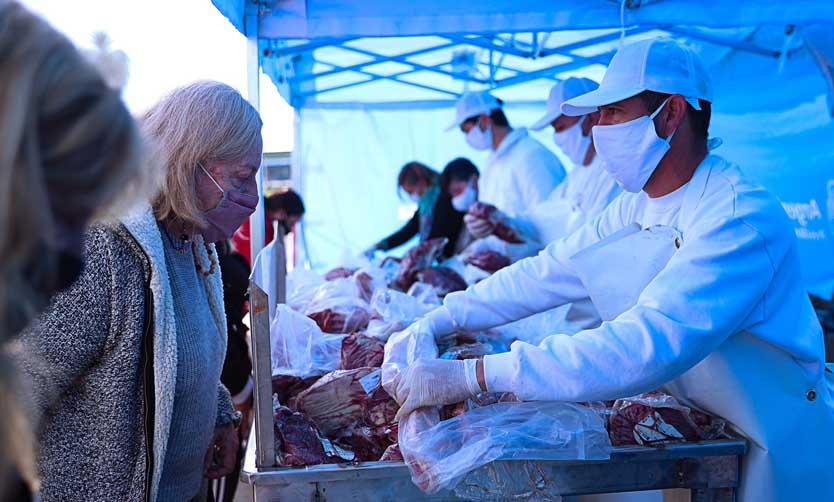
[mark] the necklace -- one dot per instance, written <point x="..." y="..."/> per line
<point x="180" y="244"/>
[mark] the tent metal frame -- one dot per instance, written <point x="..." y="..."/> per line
<point x="498" y="46"/>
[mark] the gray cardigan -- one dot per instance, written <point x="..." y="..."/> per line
<point x="102" y="366"/>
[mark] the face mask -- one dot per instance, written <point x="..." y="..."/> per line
<point x="465" y="199"/>
<point x="632" y="150"/>
<point x="415" y="197"/>
<point x="478" y="139"/>
<point x="573" y="143"/>
<point x="232" y="210"/>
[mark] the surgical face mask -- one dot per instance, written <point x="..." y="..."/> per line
<point x="632" y="150"/>
<point x="478" y="139"/>
<point x="573" y="143"/>
<point x="465" y="199"/>
<point x="232" y="210"/>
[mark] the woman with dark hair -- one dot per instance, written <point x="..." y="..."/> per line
<point x="285" y="207"/>
<point x="435" y="216"/>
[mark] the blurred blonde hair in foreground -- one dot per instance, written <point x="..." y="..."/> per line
<point x="69" y="152"/>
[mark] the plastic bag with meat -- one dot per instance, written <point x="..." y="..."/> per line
<point x="360" y="351"/>
<point x="419" y="257"/>
<point x="489" y="212"/>
<point x="337" y="308"/>
<point x="656" y="418"/>
<point x="395" y="306"/>
<point x="339" y="273"/>
<point x="345" y="399"/>
<point x="443" y="279"/>
<point x="392" y="454"/>
<point x="302" y="285"/>
<point x="441" y="455"/>
<point x="299" y="347"/>
<point x="487" y="260"/>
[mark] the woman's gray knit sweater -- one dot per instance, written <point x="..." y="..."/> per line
<point x="101" y="362"/>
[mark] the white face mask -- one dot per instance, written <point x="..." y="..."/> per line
<point x="632" y="150"/>
<point x="573" y="143"/>
<point x="415" y="197"/>
<point x="466" y="198"/>
<point x="478" y="139"/>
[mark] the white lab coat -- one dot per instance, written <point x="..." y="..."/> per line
<point x="726" y="325"/>
<point x="519" y="174"/>
<point x="584" y="193"/>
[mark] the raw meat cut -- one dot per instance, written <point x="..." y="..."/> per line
<point x="339" y="273"/>
<point x="296" y="439"/>
<point x="360" y="351"/>
<point x="489" y="261"/>
<point x="443" y="279"/>
<point x="341" y="319"/>
<point x="286" y="387"/>
<point x="655" y="418"/>
<point x="419" y="257"/>
<point x="476" y="350"/>
<point x="502" y="230"/>
<point x="392" y="454"/>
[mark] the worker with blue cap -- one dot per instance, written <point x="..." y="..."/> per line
<point x="695" y="271"/>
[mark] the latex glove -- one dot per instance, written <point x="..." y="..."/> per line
<point x="221" y="458"/>
<point x="403" y="349"/>
<point x="478" y="227"/>
<point x="436" y="382"/>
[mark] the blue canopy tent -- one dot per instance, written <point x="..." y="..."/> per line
<point x="373" y="84"/>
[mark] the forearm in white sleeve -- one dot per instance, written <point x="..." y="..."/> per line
<point x="677" y="323"/>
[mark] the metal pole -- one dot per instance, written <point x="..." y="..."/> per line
<point x="253" y="65"/>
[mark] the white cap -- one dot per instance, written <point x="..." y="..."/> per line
<point x="560" y="93"/>
<point x="472" y="104"/>
<point x="659" y="64"/>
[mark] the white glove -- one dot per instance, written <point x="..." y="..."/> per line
<point x="436" y="382"/>
<point x="478" y="227"/>
<point x="403" y="349"/>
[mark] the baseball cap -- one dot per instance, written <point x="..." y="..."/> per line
<point x="658" y="64"/>
<point x="560" y="93"/>
<point x="472" y="104"/>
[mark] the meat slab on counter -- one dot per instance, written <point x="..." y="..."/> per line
<point x="488" y="261"/>
<point x="419" y="257"/>
<point x="360" y="351"/>
<point x="656" y="418"/>
<point x="297" y="439"/>
<point x="443" y="279"/>
<point x="287" y="387"/>
<point x="341" y="320"/>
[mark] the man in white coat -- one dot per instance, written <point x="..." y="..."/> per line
<point x="520" y="171"/>
<point x="697" y="273"/>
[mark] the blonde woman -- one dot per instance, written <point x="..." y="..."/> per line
<point x="69" y="151"/>
<point x="134" y="350"/>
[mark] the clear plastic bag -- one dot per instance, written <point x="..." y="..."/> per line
<point x="337" y="308"/>
<point x="441" y="455"/>
<point x="395" y="306"/>
<point x="299" y="347"/>
<point x="301" y="287"/>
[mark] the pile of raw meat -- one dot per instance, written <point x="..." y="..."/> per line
<point x="327" y="348"/>
<point x="328" y="345"/>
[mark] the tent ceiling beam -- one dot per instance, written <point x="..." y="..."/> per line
<point x="723" y="41"/>
<point x="404" y="60"/>
<point x="380" y="59"/>
<point x="278" y="47"/>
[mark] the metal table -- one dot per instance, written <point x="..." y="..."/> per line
<point x="710" y="469"/>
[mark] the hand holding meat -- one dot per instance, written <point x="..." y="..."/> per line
<point x="435" y="382"/>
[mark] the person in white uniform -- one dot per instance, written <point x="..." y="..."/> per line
<point x="696" y="272"/>
<point x="584" y="193"/>
<point x="520" y="172"/>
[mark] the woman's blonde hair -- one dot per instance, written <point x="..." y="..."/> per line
<point x="200" y="123"/>
<point x="69" y="149"/>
